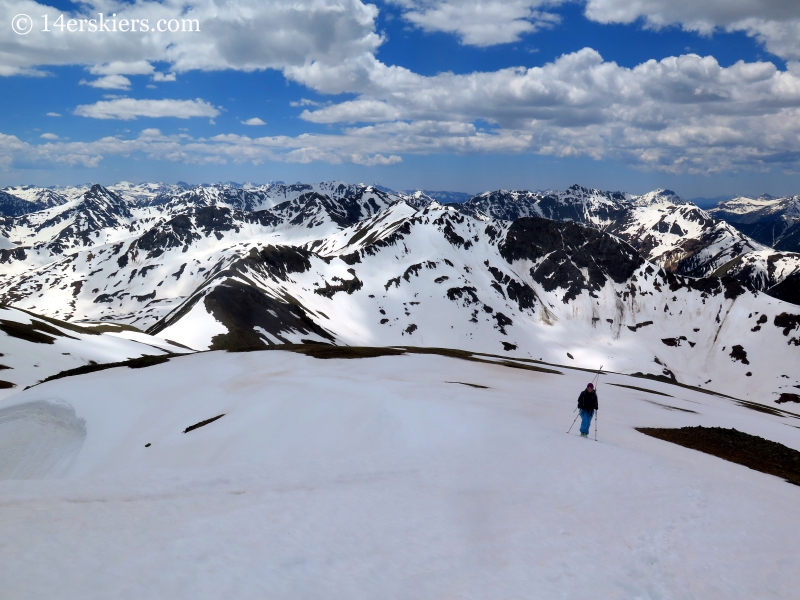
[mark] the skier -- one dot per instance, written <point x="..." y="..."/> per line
<point x="587" y="404"/>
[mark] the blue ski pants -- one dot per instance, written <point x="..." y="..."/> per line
<point x="586" y="420"/>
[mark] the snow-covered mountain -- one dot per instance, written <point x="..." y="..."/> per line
<point x="35" y="347"/>
<point x="21" y="200"/>
<point x="777" y="273"/>
<point x="444" y="197"/>
<point x="599" y="277"/>
<point x="673" y="233"/>
<point x="667" y="230"/>
<point x="772" y="221"/>
<point x="455" y="342"/>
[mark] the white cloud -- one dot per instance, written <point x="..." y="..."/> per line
<point x="221" y="149"/>
<point x="480" y="22"/>
<point x="164" y="77"/>
<point x="109" y="82"/>
<point x="776" y="23"/>
<point x="244" y="35"/>
<point x="11" y="71"/>
<point x="129" y="108"/>
<point x="680" y="114"/>
<point x="53" y="114"/>
<point x="118" y="67"/>
<point x="49" y="136"/>
<point x="695" y="15"/>
<point x="254" y="121"/>
<point x="377" y="159"/>
<point x="113" y="74"/>
<point x="305" y="102"/>
<point x="362" y="110"/>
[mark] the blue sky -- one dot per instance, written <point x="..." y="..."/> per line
<point x="463" y="95"/>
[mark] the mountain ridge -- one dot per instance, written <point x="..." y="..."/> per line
<point x="369" y="267"/>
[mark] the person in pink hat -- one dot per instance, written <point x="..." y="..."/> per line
<point x="587" y="404"/>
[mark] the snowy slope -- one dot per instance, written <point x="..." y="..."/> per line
<point x="666" y="229"/>
<point x="681" y="237"/>
<point x="134" y="270"/>
<point x="100" y="216"/>
<point x="380" y="478"/>
<point x="216" y="277"/>
<point x="772" y="221"/>
<point x="778" y="273"/>
<point x="674" y="233"/>
<point x="21" y="200"/>
<point x="536" y="288"/>
<point x="33" y="347"/>
<point x="95" y="218"/>
<point x="359" y="265"/>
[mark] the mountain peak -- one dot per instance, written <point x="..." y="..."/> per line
<point x="658" y="196"/>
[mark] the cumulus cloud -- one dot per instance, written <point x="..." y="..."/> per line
<point x="680" y="114"/>
<point x="776" y="23"/>
<point x="377" y="159"/>
<point x="220" y="149"/>
<point x="244" y="35"/>
<point x="109" y="82"/>
<point x="128" y="109"/>
<point x="361" y="110"/>
<point x="480" y="22"/>
<point x="255" y="121"/>
<point x="53" y="114"/>
<point x="49" y="136"/>
<point x="118" y="67"/>
<point x="684" y="114"/>
<point x="699" y="16"/>
<point x="305" y="102"/>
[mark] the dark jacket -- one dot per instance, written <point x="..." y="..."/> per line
<point x="587" y="400"/>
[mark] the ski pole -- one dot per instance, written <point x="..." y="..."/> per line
<point x="597" y="412"/>
<point x="573" y="422"/>
<point x="598" y="374"/>
<point x="596" y="419"/>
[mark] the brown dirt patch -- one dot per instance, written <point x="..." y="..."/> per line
<point x="735" y="446"/>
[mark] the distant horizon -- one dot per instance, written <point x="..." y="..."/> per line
<point x="700" y="201"/>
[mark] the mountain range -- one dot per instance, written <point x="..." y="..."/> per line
<point x="649" y="285"/>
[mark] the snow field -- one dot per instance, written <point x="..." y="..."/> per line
<point x="29" y="362"/>
<point x="38" y="439"/>
<point x="375" y="478"/>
